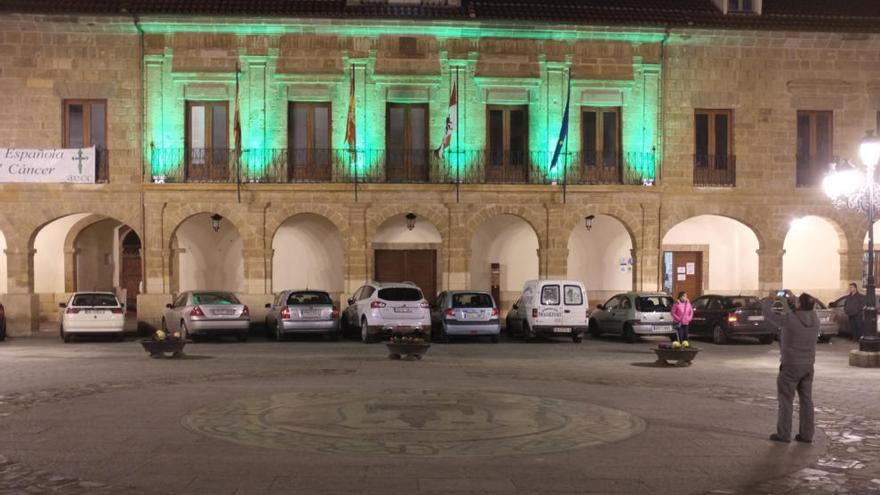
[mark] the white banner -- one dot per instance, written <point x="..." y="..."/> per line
<point x="75" y="165"/>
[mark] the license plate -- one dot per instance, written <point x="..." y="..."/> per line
<point x="561" y="330"/>
<point x="825" y="319"/>
<point x="223" y="312"/>
<point x="403" y="310"/>
<point x="756" y="318"/>
<point x="471" y="316"/>
<point x="311" y="313"/>
<point x="93" y="311"/>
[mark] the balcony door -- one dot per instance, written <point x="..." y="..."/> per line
<point x="601" y="145"/>
<point x="309" y="142"/>
<point x="406" y="142"/>
<point x="713" y="148"/>
<point x="508" y="144"/>
<point x="814" y="146"/>
<point x="85" y="125"/>
<point x="207" y="141"/>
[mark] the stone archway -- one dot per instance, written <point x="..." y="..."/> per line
<point x="811" y="259"/>
<point x="204" y="259"/>
<point x="602" y="257"/>
<point x="503" y="256"/>
<point x="308" y="251"/>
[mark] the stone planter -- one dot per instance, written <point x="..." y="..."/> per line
<point x="409" y="351"/>
<point x="676" y="357"/>
<point x="164" y="348"/>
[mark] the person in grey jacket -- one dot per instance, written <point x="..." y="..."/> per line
<point x="798" y="332"/>
<point x="854" y="307"/>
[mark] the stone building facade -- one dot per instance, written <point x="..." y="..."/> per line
<point x="150" y="70"/>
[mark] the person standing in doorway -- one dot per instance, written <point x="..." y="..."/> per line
<point x="798" y="327"/>
<point x="682" y="314"/>
<point x="854" y="307"/>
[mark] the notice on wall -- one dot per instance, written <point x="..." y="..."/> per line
<point x="679" y="269"/>
<point x="682" y="277"/>
<point x="76" y="165"/>
<point x="691" y="267"/>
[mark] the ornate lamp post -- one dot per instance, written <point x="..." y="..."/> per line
<point x="851" y="189"/>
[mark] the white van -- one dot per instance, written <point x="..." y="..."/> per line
<point x="550" y="308"/>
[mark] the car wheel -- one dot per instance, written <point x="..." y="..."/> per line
<point x="718" y="336"/>
<point x="529" y="333"/>
<point x="630" y="334"/>
<point x="595" y="331"/>
<point x="824" y="339"/>
<point x="279" y="335"/>
<point x="184" y="332"/>
<point x="66" y="337"/>
<point x="766" y="339"/>
<point x="577" y="338"/>
<point x="365" y="332"/>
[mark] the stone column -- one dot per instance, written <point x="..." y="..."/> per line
<point x="357" y="249"/>
<point x="769" y="269"/>
<point x="256" y="280"/>
<point x="70" y="281"/>
<point x="646" y="269"/>
<point x="458" y="253"/>
<point x="21" y="304"/>
<point x="555" y="260"/>
<point x="852" y="267"/>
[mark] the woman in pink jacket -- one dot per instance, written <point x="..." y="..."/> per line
<point x="682" y="314"/>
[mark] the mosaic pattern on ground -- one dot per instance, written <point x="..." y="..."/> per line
<point x="414" y="423"/>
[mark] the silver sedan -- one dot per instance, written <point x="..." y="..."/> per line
<point x="302" y="311"/>
<point x="207" y="313"/>
<point x="460" y="313"/>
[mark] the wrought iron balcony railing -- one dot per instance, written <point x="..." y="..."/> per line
<point x="280" y="166"/>
<point x="715" y="170"/>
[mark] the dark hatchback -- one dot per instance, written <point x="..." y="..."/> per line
<point x="723" y="317"/>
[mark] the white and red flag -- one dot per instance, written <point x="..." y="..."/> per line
<point x="451" y="122"/>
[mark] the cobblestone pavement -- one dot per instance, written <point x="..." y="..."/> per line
<point x="45" y="382"/>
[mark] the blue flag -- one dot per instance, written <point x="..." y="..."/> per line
<point x="563" y="132"/>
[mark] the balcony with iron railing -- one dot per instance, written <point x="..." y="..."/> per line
<point x="280" y="166"/>
<point x="715" y="170"/>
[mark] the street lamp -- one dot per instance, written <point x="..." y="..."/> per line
<point x="588" y="222"/>
<point x="410" y="221"/>
<point x="850" y="189"/>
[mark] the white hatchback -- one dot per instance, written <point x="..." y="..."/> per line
<point x="94" y="313"/>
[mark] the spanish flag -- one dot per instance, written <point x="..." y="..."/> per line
<point x="351" y="128"/>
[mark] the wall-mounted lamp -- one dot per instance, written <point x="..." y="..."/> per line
<point x="588" y="222"/>
<point x="410" y="221"/>
<point x="215" y="222"/>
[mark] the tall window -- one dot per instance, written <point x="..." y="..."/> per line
<point x="508" y="139"/>
<point x="309" y="141"/>
<point x="406" y="137"/>
<point x="713" y="138"/>
<point x="601" y="136"/>
<point x="814" y="145"/>
<point x="85" y="125"/>
<point x="207" y="140"/>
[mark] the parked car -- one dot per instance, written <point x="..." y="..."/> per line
<point x="379" y="309"/>
<point x="302" y="311"/>
<point x="2" y="323"/>
<point x="207" y="313"/>
<point x="837" y="314"/>
<point x="92" y="313"/>
<point x="828" y="324"/>
<point x="633" y="315"/>
<point x="458" y="313"/>
<point x="723" y="317"/>
<point x="550" y="308"/>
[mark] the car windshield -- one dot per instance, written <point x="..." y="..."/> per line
<point x="471" y="300"/>
<point x="214" y="298"/>
<point x="105" y="300"/>
<point x="301" y="298"/>
<point x="741" y="302"/>
<point x="400" y="294"/>
<point x="654" y="304"/>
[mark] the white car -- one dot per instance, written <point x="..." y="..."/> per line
<point x="550" y="308"/>
<point x="380" y="309"/>
<point x="94" y="313"/>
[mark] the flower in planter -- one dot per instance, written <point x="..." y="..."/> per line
<point x="406" y="339"/>
<point x="162" y="336"/>
<point x="676" y="345"/>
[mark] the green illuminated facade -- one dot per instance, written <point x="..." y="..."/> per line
<point x="495" y="66"/>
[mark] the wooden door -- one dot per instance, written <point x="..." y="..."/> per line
<point x="131" y="277"/>
<point x="409" y="265"/>
<point x="687" y="273"/>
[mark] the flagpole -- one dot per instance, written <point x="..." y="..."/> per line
<point x="237" y="131"/>
<point x="457" y="146"/>
<point x="565" y="163"/>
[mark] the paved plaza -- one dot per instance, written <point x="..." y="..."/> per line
<point x="316" y="417"/>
